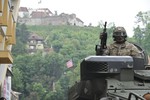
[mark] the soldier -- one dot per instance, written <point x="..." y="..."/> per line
<point x="121" y="47"/>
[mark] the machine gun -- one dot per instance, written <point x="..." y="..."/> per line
<point x="103" y="36"/>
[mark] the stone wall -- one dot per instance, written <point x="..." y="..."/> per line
<point x="51" y="20"/>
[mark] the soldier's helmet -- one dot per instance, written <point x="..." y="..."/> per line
<point x="119" y="31"/>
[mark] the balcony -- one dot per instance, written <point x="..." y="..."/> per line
<point x="6" y="57"/>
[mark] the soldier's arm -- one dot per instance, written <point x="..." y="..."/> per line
<point x="136" y="52"/>
<point x="107" y="51"/>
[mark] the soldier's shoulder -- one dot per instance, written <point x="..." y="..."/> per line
<point x="129" y="44"/>
<point x="113" y="45"/>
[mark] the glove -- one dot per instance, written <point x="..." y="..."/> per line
<point x="101" y="35"/>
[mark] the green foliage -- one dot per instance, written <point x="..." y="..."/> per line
<point x="39" y="89"/>
<point x="38" y="72"/>
<point x="141" y="32"/>
<point x="17" y="79"/>
<point x="21" y="38"/>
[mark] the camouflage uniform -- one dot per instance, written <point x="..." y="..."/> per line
<point x="121" y="47"/>
<point x="125" y="49"/>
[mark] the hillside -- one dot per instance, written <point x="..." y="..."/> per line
<point x="37" y="73"/>
<point x="47" y="77"/>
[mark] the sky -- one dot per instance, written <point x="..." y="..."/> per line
<point x="121" y="12"/>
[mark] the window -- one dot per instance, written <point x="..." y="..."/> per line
<point x="31" y="47"/>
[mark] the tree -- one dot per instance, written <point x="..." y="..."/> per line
<point x="17" y="80"/>
<point x="39" y="72"/>
<point x="141" y="31"/>
<point x="21" y="40"/>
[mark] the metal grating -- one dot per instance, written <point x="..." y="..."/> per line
<point x="97" y="66"/>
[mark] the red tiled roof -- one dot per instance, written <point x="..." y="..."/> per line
<point x="45" y="10"/>
<point x="38" y="14"/>
<point x="34" y="36"/>
<point x="23" y="9"/>
<point x="79" y="20"/>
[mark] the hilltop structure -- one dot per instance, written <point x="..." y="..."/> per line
<point x="43" y="16"/>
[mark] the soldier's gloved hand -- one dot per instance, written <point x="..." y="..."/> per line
<point x="101" y="35"/>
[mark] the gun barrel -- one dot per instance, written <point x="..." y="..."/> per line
<point x="105" y="27"/>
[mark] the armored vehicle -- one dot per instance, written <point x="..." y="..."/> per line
<point x="112" y="78"/>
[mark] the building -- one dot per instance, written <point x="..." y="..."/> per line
<point x="36" y="43"/>
<point x="8" y="18"/>
<point x="43" y="16"/>
<point x="23" y="12"/>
